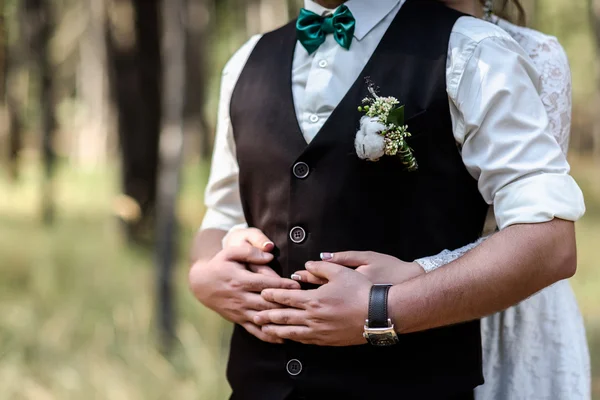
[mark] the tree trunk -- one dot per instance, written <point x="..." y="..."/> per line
<point x="39" y="30"/>
<point x="15" y="86"/>
<point x="171" y="151"/>
<point x="4" y="118"/>
<point x="3" y="53"/>
<point x="90" y="146"/>
<point x="196" y="26"/>
<point x="133" y="46"/>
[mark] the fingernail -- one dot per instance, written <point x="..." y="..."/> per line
<point x="257" y="319"/>
<point x="296" y="277"/>
<point x="326" y="256"/>
<point x="268" y="245"/>
<point x="308" y="265"/>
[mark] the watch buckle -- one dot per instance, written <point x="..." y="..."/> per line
<point x="389" y="321"/>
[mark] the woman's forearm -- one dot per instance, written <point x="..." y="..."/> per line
<point x="445" y="257"/>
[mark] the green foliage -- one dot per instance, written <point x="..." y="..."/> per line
<point x="396" y="116"/>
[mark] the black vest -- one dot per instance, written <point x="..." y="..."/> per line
<point x="345" y="203"/>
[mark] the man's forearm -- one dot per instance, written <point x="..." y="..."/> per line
<point x="504" y="270"/>
<point x="207" y="243"/>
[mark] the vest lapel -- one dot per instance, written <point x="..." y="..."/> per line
<point x="282" y="79"/>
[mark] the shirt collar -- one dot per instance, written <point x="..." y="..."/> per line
<point x="367" y="13"/>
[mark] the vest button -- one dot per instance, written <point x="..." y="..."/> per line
<point x="300" y="170"/>
<point x="297" y="234"/>
<point x="294" y="367"/>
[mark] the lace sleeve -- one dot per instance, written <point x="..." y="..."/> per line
<point x="552" y="63"/>
<point x="445" y="257"/>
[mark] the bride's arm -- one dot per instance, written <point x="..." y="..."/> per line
<point x="432" y="263"/>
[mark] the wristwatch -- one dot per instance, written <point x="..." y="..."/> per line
<point x="379" y="330"/>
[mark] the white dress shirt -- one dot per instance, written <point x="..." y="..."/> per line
<point x="499" y="122"/>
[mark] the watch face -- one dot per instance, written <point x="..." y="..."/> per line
<point x="382" y="338"/>
<point x="385" y="340"/>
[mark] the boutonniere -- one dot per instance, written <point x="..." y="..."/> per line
<point x="382" y="130"/>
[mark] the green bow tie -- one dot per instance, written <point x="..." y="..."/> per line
<point x="312" y="28"/>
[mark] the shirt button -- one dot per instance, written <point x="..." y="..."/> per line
<point x="313" y="118"/>
<point x="301" y="170"/>
<point x="323" y="63"/>
<point x="294" y="367"/>
<point x="297" y="235"/>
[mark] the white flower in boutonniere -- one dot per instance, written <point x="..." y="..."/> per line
<point x="369" y="143"/>
<point x="382" y="130"/>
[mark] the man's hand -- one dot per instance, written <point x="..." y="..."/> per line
<point x="377" y="267"/>
<point x="224" y="285"/>
<point x="332" y="315"/>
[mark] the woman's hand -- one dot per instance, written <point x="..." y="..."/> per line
<point x="256" y="238"/>
<point x="377" y="267"/>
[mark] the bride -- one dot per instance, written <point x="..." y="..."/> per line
<point x="536" y="349"/>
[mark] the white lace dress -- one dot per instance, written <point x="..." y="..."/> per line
<point x="536" y="349"/>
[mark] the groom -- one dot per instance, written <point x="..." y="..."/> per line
<point x="286" y="165"/>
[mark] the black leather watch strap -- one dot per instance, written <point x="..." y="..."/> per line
<point x="378" y="307"/>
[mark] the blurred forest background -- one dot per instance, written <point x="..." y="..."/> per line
<point x="107" y="114"/>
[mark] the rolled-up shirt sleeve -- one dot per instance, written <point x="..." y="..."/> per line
<point x="222" y="195"/>
<point x="502" y="130"/>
